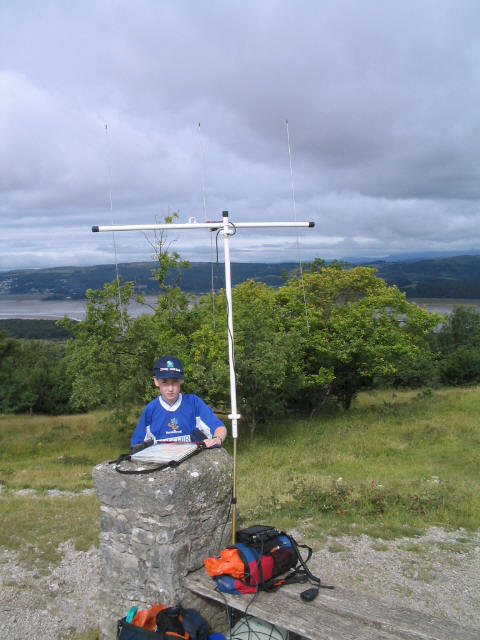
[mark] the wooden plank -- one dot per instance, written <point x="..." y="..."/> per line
<point x="335" y="614"/>
<point x="280" y="609"/>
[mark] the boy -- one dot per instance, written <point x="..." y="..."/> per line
<point x="174" y="416"/>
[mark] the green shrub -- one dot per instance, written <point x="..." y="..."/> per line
<point x="33" y="377"/>
<point x="461" y="366"/>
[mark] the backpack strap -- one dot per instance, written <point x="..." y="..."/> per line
<point x="293" y="577"/>
<point x="318" y="583"/>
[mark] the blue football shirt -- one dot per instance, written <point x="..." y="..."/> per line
<point x="177" y="421"/>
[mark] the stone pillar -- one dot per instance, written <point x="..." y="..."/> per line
<point x="156" y="528"/>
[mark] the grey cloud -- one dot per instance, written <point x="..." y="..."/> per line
<point x="381" y="99"/>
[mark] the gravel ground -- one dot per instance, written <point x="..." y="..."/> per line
<point x="59" y="605"/>
<point x="438" y="573"/>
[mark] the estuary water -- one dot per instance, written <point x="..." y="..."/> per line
<point x="31" y="307"/>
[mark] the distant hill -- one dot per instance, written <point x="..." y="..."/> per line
<point x="409" y="256"/>
<point x="73" y="282"/>
<point x="453" y="277"/>
<point x="452" y="268"/>
<point x="447" y="277"/>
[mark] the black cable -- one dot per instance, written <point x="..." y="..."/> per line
<point x="234" y="228"/>
<point x="231" y="337"/>
<point x="216" y="244"/>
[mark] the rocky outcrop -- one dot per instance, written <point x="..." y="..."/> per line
<point x="156" y="528"/>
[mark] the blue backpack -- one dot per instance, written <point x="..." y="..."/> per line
<point x="170" y="623"/>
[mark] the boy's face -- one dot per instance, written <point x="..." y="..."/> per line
<point x="169" y="388"/>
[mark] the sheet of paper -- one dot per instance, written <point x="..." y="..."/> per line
<point x="165" y="452"/>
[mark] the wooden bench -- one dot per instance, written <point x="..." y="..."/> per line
<point x="335" y="614"/>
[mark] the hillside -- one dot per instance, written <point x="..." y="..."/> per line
<point x="454" y="277"/>
<point x="72" y="282"/>
<point x="454" y="268"/>
<point x="451" y="277"/>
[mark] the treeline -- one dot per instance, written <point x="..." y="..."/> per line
<point x="37" y="329"/>
<point x="313" y="341"/>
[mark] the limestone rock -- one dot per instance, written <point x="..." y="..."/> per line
<point x="156" y="528"/>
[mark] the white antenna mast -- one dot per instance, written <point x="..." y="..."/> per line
<point x="227" y="229"/>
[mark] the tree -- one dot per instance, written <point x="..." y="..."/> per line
<point x="461" y="366"/>
<point x="267" y="360"/>
<point x="326" y="334"/>
<point x="457" y="344"/>
<point x="359" y="330"/>
<point x="33" y="376"/>
<point x="96" y="360"/>
<point x="266" y="357"/>
<point x="111" y="355"/>
<point x="265" y="354"/>
<point x="460" y="328"/>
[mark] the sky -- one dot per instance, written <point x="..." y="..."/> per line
<point x="121" y="112"/>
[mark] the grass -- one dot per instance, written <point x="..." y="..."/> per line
<point x="36" y="526"/>
<point x="41" y="453"/>
<point x="393" y="465"/>
<point x="46" y="452"/>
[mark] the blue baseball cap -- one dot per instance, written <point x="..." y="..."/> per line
<point x="168" y="367"/>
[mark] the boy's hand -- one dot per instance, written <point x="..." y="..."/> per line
<point x="216" y="441"/>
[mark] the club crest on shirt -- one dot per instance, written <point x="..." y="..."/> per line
<point x="173" y="425"/>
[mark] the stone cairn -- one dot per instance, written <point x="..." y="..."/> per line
<point x="157" y="528"/>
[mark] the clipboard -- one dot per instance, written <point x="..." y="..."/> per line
<point x="166" y="452"/>
<point x="158" y="457"/>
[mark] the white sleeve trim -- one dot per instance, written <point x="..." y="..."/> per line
<point x="204" y="428"/>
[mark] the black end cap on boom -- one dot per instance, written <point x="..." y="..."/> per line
<point x="311" y="224"/>
<point x="95" y="229"/>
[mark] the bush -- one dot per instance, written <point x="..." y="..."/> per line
<point x="461" y="366"/>
<point x="33" y="377"/>
<point x="420" y="373"/>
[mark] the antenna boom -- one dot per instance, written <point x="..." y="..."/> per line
<point x="198" y="225"/>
